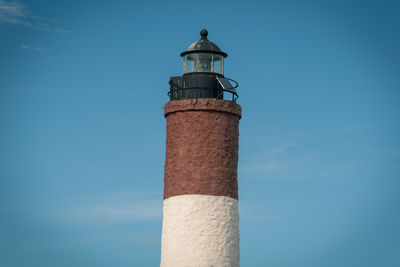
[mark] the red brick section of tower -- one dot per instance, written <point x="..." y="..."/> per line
<point x="202" y="147"/>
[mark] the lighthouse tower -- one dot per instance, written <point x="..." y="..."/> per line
<point x="200" y="213"/>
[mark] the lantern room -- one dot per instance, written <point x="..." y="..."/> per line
<point x="203" y="56"/>
<point x="203" y="73"/>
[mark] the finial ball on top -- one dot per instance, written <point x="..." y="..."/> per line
<point x="204" y="33"/>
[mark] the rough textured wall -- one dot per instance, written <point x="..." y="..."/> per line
<point x="200" y="220"/>
<point x="200" y="230"/>
<point x="202" y="147"/>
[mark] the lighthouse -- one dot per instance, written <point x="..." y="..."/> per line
<point x="200" y="208"/>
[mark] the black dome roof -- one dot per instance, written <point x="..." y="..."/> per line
<point x="204" y="45"/>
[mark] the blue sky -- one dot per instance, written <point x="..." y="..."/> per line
<point x="82" y="142"/>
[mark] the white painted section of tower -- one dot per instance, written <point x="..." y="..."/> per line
<point x="200" y="230"/>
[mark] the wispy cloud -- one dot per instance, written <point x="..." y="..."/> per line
<point x="277" y="151"/>
<point x="275" y="160"/>
<point x="28" y="47"/>
<point x="12" y="12"/>
<point x="354" y="128"/>
<point x="115" y="208"/>
<point x="277" y="165"/>
<point x="147" y="240"/>
<point x="290" y="160"/>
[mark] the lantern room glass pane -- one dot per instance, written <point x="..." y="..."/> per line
<point x="203" y="62"/>
<point x="218" y="64"/>
<point x="189" y="63"/>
